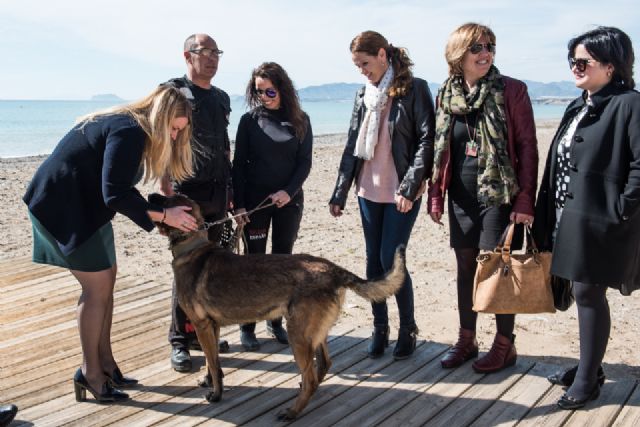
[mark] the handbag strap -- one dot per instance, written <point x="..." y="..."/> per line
<point x="531" y="243"/>
<point x="504" y="244"/>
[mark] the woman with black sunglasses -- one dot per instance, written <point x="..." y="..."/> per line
<point x="588" y="208"/>
<point x="486" y="156"/>
<point x="388" y="155"/>
<point x="272" y="160"/>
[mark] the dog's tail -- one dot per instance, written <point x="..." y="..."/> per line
<point x="379" y="289"/>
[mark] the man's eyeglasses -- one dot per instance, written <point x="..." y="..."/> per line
<point x="579" y="63"/>
<point x="476" y="48"/>
<point x="271" y="92"/>
<point x="206" y="52"/>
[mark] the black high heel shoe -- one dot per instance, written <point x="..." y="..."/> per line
<point x="118" y="380"/>
<point x="107" y="392"/>
<point x="569" y="403"/>
<point x="566" y="378"/>
<point x="379" y="341"/>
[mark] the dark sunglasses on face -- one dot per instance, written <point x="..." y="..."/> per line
<point x="579" y="63"/>
<point x="209" y="53"/>
<point x="479" y="47"/>
<point x="271" y="92"/>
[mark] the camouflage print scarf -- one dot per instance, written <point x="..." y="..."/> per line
<point x="497" y="183"/>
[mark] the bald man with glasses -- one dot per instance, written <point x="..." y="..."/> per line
<point x="212" y="168"/>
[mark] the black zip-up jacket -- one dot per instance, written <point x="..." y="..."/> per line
<point x="412" y="131"/>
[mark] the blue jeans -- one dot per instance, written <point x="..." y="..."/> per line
<point x="384" y="229"/>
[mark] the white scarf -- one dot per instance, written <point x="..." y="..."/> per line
<point x="375" y="99"/>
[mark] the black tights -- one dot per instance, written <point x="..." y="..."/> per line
<point x="594" y="321"/>
<point x="466" y="258"/>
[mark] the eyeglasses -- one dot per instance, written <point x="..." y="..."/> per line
<point x="208" y="53"/>
<point x="271" y="92"/>
<point x="580" y="63"/>
<point x="476" y="48"/>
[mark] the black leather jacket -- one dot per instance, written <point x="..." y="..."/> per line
<point x="412" y="130"/>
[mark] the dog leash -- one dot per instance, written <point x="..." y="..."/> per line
<point x="261" y="205"/>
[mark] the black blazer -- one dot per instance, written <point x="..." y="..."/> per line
<point x="598" y="238"/>
<point x="412" y="131"/>
<point x="90" y="176"/>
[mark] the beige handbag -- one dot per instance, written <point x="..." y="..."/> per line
<point x="507" y="283"/>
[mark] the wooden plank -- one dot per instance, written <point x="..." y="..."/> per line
<point x="629" y="416"/>
<point x="319" y="413"/>
<point x="397" y="396"/>
<point x="435" y="398"/>
<point x="603" y="410"/>
<point x="517" y="401"/>
<point x="545" y="412"/>
<point x="250" y="389"/>
<point x="170" y="385"/>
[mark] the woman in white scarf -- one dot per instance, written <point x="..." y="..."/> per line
<point x="388" y="154"/>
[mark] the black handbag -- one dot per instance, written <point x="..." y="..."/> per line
<point x="562" y="293"/>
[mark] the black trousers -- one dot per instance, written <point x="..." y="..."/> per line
<point x="284" y="223"/>
<point x="181" y="332"/>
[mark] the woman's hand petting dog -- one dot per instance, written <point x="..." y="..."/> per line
<point x="178" y="217"/>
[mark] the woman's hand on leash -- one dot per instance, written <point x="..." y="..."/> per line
<point x="436" y="217"/>
<point x="520" y="218"/>
<point x="241" y="217"/>
<point x="178" y="217"/>
<point x="335" y="210"/>
<point x="280" y="198"/>
<point x="403" y="204"/>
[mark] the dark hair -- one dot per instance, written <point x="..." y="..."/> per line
<point x="370" y="42"/>
<point x="609" y="45"/>
<point x="289" y="101"/>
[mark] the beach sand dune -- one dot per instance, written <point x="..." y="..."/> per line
<point x="551" y="337"/>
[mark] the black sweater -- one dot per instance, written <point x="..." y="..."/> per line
<point x="268" y="157"/>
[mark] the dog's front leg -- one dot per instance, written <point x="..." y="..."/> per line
<point x="208" y="333"/>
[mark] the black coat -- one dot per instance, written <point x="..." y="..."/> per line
<point x="598" y="238"/>
<point x="412" y="131"/>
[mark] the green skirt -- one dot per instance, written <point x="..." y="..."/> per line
<point x="96" y="254"/>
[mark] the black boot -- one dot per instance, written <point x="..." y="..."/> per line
<point x="379" y="341"/>
<point x="275" y="329"/>
<point x="248" y="337"/>
<point x="406" y="344"/>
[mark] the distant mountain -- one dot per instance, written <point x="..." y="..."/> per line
<point x="554" y="92"/>
<point x="106" y="97"/>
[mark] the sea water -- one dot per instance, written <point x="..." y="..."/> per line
<point x="30" y="128"/>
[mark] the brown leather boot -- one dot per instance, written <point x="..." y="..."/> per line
<point x="465" y="349"/>
<point x="502" y="354"/>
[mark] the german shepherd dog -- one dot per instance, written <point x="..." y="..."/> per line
<point x="216" y="287"/>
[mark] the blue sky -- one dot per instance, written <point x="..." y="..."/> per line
<point x="72" y="49"/>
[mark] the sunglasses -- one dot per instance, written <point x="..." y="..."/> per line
<point x="206" y="52"/>
<point x="479" y="47"/>
<point x="580" y="63"/>
<point x="271" y="92"/>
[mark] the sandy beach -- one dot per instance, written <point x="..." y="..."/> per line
<point x="549" y="337"/>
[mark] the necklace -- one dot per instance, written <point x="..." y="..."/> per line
<point x="471" y="148"/>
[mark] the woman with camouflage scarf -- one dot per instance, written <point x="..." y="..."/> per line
<point x="486" y="156"/>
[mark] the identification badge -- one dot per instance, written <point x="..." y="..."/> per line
<point x="471" y="149"/>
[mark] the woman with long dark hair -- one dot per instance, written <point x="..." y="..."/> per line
<point x="388" y="154"/>
<point x="588" y="209"/>
<point x="486" y="158"/>
<point x="272" y="160"/>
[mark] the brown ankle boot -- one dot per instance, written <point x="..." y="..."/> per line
<point x="502" y="354"/>
<point x="466" y="348"/>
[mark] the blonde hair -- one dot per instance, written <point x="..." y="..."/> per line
<point x="370" y="42"/>
<point x="155" y="114"/>
<point x="461" y="40"/>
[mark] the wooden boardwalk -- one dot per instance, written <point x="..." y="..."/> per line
<point x="39" y="352"/>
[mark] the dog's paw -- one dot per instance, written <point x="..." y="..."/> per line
<point x="213" y="396"/>
<point x="205" y="381"/>
<point x="287" y="415"/>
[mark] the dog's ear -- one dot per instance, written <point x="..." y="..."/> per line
<point x="157" y="199"/>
